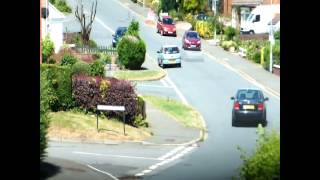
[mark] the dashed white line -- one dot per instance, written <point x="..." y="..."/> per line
<point x="103" y="172"/>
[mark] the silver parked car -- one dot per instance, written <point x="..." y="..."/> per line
<point x="169" y="55"/>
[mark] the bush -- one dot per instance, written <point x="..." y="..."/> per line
<point x="277" y="35"/>
<point x="131" y="52"/>
<point x="79" y="42"/>
<point x="226" y="45"/>
<point x="265" y="162"/>
<point x="62" y="6"/>
<point x="167" y="5"/>
<point x="97" y="68"/>
<point x="44" y="108"/>
<point x="51" y="61"/>
<point x="47" y="49"/>
<point x="133" y="28"/>
<point x="230" y="33"/>
<point x="190" y="5"/>
<point x="91" y="91"/>
<point x="68" y="60"/>
<point x="80" y="67"/>
<point x="205" y="29"/>
<point x="104" y="58"/>
<point x="189" y="18"/>
<point x="275" y="54"/>
<point x="173" y="14"/>
<point x="60" y="92"/>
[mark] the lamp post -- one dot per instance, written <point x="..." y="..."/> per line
<point x="271" y="38"/>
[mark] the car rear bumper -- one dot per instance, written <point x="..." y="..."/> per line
<point x="176" y="61"/>
<point x="189" y="46"/>
<point x="174" y="33"/>
<point x="249" y="116"/>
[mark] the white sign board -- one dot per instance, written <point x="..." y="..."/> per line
<point x="110" y="108"/>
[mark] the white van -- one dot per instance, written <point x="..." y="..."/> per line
<point x="259" y="18"/>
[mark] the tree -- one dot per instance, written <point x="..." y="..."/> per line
<point x="86" y="25"/>
<point x="47" y="48"/>
<point x="190" y="5"/>
<point x="167" y="5"/>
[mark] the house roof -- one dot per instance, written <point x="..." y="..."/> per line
<point x="247" y="2"/>
<point x="55" y="14"/>
<point x="275" y="20"/>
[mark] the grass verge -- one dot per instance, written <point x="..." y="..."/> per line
<point x="139" y="75"/>
<point x="77" y="125"/>
<point x="186" y="115"/>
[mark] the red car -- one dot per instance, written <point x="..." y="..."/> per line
<point x="191" y="40"/>
<point x="166" y="26"/>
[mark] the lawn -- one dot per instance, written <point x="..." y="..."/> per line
<point x="139" y="75"/>
<point x="186" y="115"/>
<point x="77" y="125"/>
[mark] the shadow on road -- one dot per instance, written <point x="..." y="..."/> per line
<point x="48" y="170"/>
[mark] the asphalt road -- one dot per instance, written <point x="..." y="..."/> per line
<point x="206" y="85"/>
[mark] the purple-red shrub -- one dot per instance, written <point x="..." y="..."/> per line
<point x="88" y="92"/>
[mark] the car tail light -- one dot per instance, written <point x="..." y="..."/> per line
<point x="198" y="42"/>
<point x="187" y="41"/>
<point x="236" y="105"/>
<point x="260" y="106"/>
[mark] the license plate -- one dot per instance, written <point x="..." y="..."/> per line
<point x="193" y="46"/>
<point x="250" y="107"/>
<point x="172" y="60"/>
<point x="170" y="32"/>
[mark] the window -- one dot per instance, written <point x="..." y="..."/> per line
<point x="257" y="18"/>
<point x="249" y="94"/>
<point x="167" y="21"/>
<point x="193" y="35"/>
<point x="171" y="50"/>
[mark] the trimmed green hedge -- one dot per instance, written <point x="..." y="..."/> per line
<point x="59" y="79"/>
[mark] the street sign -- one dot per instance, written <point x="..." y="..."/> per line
<point x="110" y="108"/>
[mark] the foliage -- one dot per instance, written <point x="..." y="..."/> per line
<point x="139" y="121"/>
<point x="205" y="29"/>
<point x="131" y="51"/>
<point x="275" y="54"/>
<point x="104" y="58"/>
<point x="97" y="68"/>
<point x="133" y="28"/>
<point x="265" y="162"/>
<point x="173" y="14"/>
<point x="59" y="79"/>
<point x="167" y="5"/>
<point x="253" y="48"/>
<point x="91" y="91"/>
<point x="62" y="6"/>
<point x="79" y="42"/>
<point x="44" y="108"/>
<point x="68" y="60"/>
<point x="226" y="45"/>
<point x="80" y="67"/>
<point x="47" y="48"/>
<point x="230" y="33"/>
<point x="190" y="5"/>
<point x="188" y="18"/>
<point x="277" y="35"/>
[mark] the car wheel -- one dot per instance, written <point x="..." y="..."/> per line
<point x="179" y="65"/>
<point x="157" y="30"/>
<point x="251" y="32"/>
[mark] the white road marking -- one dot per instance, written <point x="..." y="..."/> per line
<point x="139" y="174"/>
<point x="153" y="167"/>
<point x="103" y="172"/>
<point x="104" y="25"/>
<point x="181" y="96"/>
<point x="164" y="83"/>
<point x="152" y="86"/>
<point x="247" y="77"/>
<point x="116" y="156"/>
<point x="146" y="171"/>
<point x="171" y="152"/>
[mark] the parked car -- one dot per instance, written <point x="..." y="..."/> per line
<point x="166" y="26"/>
<point x="249" y="107"/>
<point x="168" y="55"/>
<point x="202" y="16"/>
<point x="118" y="34"/>
<point x="191" y="40"/>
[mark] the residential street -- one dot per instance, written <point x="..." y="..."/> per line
<point x="206" y="81"/>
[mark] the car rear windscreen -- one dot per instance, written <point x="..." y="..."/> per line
<point x="171" y="50"/>
<point x="167" y="21"/>
<point x="248" y="94"/>
<point x="192" y="35"/>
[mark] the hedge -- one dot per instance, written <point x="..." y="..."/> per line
<point x="44" y="107"/>
<point x="59" y="79"/>
<point x="88" y="92"/>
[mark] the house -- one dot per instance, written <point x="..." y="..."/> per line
<point x="242" y="8"/>
<point x="51" y="23"/>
